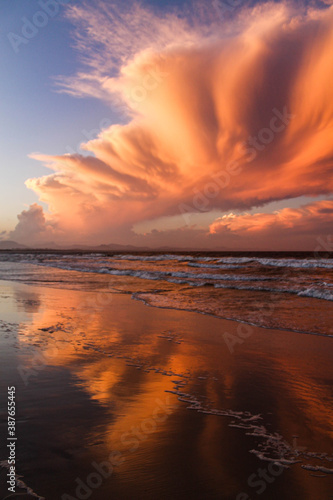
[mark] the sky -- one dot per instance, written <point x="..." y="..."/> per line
<point x="167" y="123"/>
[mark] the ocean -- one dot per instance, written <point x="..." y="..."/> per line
<point x="291" y="291"/>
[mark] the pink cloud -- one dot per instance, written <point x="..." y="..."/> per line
<point x="296" y="228"/>
<point x="32" y="226"/>
<point x="236" y="116"/>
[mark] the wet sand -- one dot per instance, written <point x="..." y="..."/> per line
<point x="119" y="400"/>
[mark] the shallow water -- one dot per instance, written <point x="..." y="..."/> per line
<point x="180" y="405"/>
<point x="293" y="292"/>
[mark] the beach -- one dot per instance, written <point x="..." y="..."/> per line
<point x="166" y="250"/>
<point x="116" y="399"/>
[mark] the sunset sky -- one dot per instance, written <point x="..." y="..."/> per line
<point x="186" y="124"/>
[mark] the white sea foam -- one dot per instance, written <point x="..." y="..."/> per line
<point x="325" y="470"/>
<point x="235" y="260"/>
<point x="214" y="266"/>
<point x="298" y="263"/>
<point x="223" y="277"/>
<point x="254" y="288"/>
<point x="225" y="281"/>
<point x="316" y="293"/>
<point x="272" y="447"/>
<point x="154" y="258"/>
<point x="281" y="262"/>
<point x="253" y="274"/>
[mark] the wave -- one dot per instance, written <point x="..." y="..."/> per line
<point x="282" y="262"/>
<point x="194" y="261"/>
<point x="187" y="279"/>
<point x="160" y="275"/>
<point x="255" y="288"/>
<point x="183" y="258"/>
<point x="214" y="266"/>
<point x="218" y="263"/>
<point x="298" y="263"/>
<point x="316" y="293"/>
<point x="152" y="275"/>
<point x="222" y="277"/>
<point x="252" y="277"/>
<point x="154" y="258"/>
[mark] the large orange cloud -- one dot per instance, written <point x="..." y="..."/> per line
<point x="219" y="117"/>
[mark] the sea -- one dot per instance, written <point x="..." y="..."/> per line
<point x="288" y="291"/>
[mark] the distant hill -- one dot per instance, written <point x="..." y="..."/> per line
<point x="11" y="245"/>
<point x="112" y="247"/>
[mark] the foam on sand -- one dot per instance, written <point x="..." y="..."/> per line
<point x="20" y="484"/>
<point x="272" y="447"/>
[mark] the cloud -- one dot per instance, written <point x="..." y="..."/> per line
<point x="32" y="226"/>
<point x="297" y="227"/>
<point x="220" y="116"/>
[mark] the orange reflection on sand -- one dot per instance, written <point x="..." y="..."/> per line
<point x="128" y="355"/>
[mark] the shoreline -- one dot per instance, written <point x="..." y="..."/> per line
<point x="116" y="291"/>
<point x="243" y="322"/>
<point x="291" y="295"/>
<point x="116" y="362"/>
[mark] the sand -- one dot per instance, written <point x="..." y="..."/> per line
<point x="119" y="400"/>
